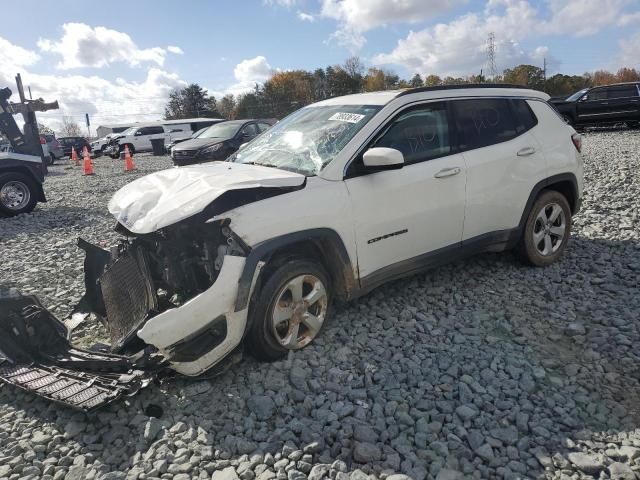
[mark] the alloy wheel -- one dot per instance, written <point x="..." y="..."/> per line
<point x="549" y="229"/>
<point x="299" y="311"/>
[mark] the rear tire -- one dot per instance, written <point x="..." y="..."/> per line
<point x="289" y="310"/>
<point x="546" y="231"/>
<point x="52" y="159"/>
<point x="18" y="194"/>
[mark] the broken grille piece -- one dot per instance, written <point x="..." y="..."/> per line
<point x="128" y="296"/>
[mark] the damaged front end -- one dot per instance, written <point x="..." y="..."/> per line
<point x="166" y="293"/>
<point x="143" y="290"/>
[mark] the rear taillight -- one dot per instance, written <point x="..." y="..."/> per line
<point x="42" y="141"/>
<point x="576" y="138"/>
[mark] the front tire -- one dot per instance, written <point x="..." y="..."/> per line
<point x="547" y="230"/>
<point x="18" y="194"/>
<point x="289" y="309"/>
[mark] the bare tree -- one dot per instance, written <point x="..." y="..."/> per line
<point x="70" y="127"/>
<point x="354" y="67"/>
<point x="226" y="106"/>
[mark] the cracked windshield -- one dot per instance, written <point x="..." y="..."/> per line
<point x="309" y="139"/>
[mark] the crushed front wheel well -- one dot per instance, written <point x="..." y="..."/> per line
<point x="322" y="244"/>
<point x="320" y="250"/>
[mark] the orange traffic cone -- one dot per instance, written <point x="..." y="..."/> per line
<point x="88" y="166"/>
<point x="74" y="157"/>
<point x="128" y="160"/>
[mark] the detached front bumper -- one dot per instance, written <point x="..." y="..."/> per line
<point x="35" y="355"/>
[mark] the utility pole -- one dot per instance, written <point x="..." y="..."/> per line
<point x="544" y="75"/>
<point x="30" y="96"/>
<point x="491" y="55"/>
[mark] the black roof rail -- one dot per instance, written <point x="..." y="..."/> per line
<point x="456" y="87"/>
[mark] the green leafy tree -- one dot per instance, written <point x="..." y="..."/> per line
<point x="190" y="102"/>
<point x="432" y="81"/>
<point x="416" y="81"/>
<point x="525" y="75"/>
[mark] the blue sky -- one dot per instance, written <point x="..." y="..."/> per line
<point x="95" y="56"/>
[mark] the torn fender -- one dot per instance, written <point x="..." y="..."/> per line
<point x="166" y="197"/>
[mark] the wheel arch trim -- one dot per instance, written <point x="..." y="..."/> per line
<point x="339" y="265"/>
<point x="546" y="183"/>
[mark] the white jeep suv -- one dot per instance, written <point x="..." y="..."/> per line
<point x="334" y="200"/>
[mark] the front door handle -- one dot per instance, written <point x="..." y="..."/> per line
<point x="523" y="152"/>
<point x="448" y="172"/>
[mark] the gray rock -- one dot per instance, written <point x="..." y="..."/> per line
<point x="228" y="473"/>
<point x="262" y="406"/>
<point x="364" y="433"/>
<point x="574" y="328"/>
<point x="366" y="452"/>
<point x="466" y="412"/>
<point x="448" y="474"/>
<point x="621" y="471"/>
<point x="585" y="462"/>
<point x="485" y="452"/>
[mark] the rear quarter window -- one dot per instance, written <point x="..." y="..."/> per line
<point x="483" y="122"/>
<point x="523" y="116"/>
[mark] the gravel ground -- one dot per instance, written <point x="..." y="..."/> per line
<point x="480" y="369"/>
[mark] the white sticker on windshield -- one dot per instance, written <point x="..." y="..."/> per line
<point x="346" y="117"/>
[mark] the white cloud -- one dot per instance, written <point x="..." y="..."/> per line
<point x="175" y="50"/>
<point x="255" y="69"/>
<point x="248" y="73"/>
<point x="629" y="19"/>
<point x="356" y="17"/>
<point x="106" y="101"/>
<point x="13" y="57"/>
<point x="281" y="3"/>
<point x="84" y="46"/>
<point x="582" y="17"/>
<point x="305" y="17"/>
<point x="628" y="56"/>
<point x="459" y="47"/>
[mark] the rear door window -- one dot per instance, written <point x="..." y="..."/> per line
<point x="622" y="91"/>
<point x="152" y="130"/>
<point x="483" y="122"/>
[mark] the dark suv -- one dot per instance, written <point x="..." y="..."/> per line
<point x="604" y="105"/>
<point x="218" y="141"/>
<point x="76" y="142"/>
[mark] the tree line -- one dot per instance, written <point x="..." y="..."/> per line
<point x="287" y="91"/>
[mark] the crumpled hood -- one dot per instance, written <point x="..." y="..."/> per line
<point x="168" y="196"/>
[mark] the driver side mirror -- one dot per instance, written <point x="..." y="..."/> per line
<point x="382" y="158"/>
<point x="584" y="98"/>
<point x="137" y="134"/>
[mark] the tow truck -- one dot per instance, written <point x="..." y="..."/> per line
<point x="22" y="164"/>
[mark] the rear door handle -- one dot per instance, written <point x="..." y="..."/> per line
<point x="448" y="172"/>
<point x="523" y="152"/>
